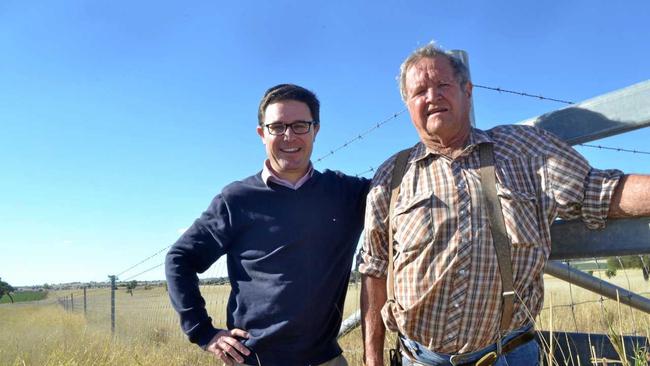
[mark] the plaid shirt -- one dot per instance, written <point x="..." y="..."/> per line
<point x="447" y="282"/>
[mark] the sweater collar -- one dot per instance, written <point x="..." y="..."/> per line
<point x="268" y="175"/>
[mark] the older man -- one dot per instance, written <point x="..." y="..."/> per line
<point x="447" y="284"/>
<point x="289" y="233"/>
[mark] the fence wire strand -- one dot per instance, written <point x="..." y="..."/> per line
<point x="618" y="149"/>
<point x="361" y="135"/>
<point x="144" y="260"/>
<point x="145" y="271"/>
<point x="523" y="94"/>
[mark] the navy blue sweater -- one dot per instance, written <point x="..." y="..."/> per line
<point x="289" y="255"/>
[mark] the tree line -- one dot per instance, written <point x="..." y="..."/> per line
<point x="6" y="289"/>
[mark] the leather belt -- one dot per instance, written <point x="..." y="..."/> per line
<point x="489" y="358"/>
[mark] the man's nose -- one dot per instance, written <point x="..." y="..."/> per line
<point x="289" y="135"/>
<point x="432" y="93"/>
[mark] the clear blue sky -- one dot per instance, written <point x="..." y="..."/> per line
<point x="120" y="120"/>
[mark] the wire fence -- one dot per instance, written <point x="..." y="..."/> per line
<point x="144" y="313"/>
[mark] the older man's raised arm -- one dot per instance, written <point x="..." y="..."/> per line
<point x="631" y="197"/>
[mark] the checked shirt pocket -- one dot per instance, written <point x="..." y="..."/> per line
<point x="520" y="216"/>
<point x="412" y="220"/>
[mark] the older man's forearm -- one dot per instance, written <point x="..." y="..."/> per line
<point x="631" y="197"/>
<point x="373" y="298"/>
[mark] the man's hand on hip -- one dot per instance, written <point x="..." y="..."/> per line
<point x="227" y="347"/>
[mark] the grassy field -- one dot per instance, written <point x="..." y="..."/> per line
<point x="147" y="330"/>
<point x="23" y="296"/>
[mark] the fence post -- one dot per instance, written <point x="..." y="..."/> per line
<point x="72" y="303"/>
<point x="112" y="303"/>
<point x="85" y="300"/>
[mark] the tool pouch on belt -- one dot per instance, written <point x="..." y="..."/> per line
<point x="395" y="357"/>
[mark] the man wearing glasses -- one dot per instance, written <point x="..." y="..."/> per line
<point x="289" y="233"/>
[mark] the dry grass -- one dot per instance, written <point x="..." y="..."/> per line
<point x="47" y="335"/>
<point x="593" y="314"/>
<point x="147" y="330"/>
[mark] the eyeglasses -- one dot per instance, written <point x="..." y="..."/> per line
<point x="298" y="127"/>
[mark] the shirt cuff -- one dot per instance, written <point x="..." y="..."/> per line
<point x="599" y="189"/>
<point x="372" y="266"/>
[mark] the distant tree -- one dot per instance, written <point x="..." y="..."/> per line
<point x="130" y="286"/>
<point x="628" y="262"/>
<point x="6" y="289"/>
<point x="47" y="286"/>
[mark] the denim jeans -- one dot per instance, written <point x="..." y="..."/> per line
<point x="526" y="354"/>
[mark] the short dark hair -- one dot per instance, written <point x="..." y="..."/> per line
<point x="282" y="92"/>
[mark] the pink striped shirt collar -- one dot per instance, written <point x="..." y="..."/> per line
<point x="269" y="176"/>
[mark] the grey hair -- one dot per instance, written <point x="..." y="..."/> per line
<point x="431" y="50"/>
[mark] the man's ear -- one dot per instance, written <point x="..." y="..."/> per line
<point x="468" y="89"/>
<point x="260" y="132"/>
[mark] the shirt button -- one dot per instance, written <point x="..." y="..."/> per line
<point x="462" y="212"/>
<point x="462" y="272"/>
<point x="456" y="305"/>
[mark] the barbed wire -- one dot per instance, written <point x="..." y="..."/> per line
<point x="145" y="271"/>
<point x="523" y="94"/>
<point x="361" y="135"/>
<point x="144" y="260"/>
<point x="372" y="169"/>
<point x="615" y="149"/>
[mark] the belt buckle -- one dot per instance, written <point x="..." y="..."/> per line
<point x="457" y="360"/>
<point x="488" y="360"/>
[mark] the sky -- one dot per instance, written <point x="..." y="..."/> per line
<point x="121" y="120"/>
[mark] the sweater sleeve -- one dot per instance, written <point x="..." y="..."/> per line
<point x="194" y="252"/>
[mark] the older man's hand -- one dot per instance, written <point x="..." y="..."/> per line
<point x="227" y="347"/>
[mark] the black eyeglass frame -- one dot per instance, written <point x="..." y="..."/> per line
<point x="289" y="125"/>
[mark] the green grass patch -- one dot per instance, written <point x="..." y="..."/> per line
<point x="589" y="265"/>
<point x="23" y="296"/>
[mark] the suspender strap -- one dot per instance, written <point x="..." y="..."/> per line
<point x="398" y="173"/>
<point x="499" y="237"/>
